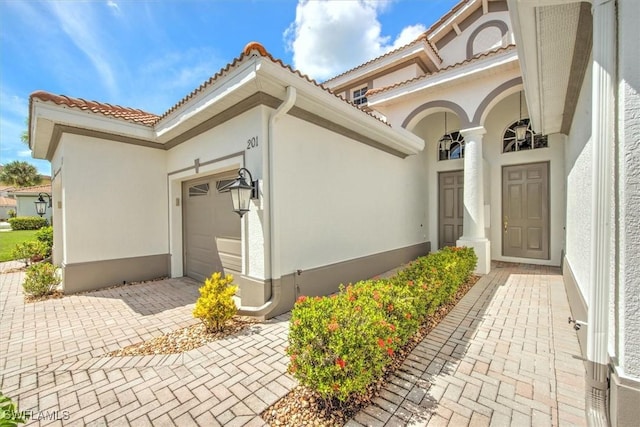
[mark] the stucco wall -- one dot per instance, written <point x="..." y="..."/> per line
<point x="456" y="50"/>
<point x="401" y="75"/>
<point x="338" y="199"/>
<point x="114" y="200"/>
<point x="578" y="171"/>
<point x="629" y="189"/>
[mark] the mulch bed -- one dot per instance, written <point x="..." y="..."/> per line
<point x="303" y="407"/>
<point x="185" y="339"/>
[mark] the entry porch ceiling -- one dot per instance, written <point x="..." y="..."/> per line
<point x="554" y="46"/>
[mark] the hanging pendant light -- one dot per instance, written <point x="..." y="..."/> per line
<point x="522" y="127"/>
<point x="445" y="141"/>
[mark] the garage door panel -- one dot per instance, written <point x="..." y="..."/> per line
<point x="208" y="215"/>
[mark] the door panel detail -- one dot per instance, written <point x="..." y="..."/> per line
<point x="525" y="208"/>
<point x="451" y="207"/>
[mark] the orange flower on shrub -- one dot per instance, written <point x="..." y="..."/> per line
<point x="376" y="295"/>
<point x="390" y="307"/>
<point x="390" y="351"/>
<point x="381" y="342"/>
<point x="301" y="299"/>
<point x="333" y="326"/>
<point x="340" y="363"/>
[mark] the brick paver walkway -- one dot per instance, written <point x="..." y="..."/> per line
<point x="504" y="356"/>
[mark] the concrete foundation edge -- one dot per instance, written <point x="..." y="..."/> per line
<point x="93" y="275"/>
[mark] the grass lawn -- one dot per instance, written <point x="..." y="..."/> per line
<point x="8" y="239"/>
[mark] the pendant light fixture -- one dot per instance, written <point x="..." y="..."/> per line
<point x="445" y="141"/>
<point x="522" y="127"/>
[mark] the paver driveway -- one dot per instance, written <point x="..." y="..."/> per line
<point x="504" y="356"/>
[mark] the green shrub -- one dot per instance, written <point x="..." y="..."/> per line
<point x="10" y="415"/>
<point x="45" y="235"/>
<point x="31" y="250"/>
<point x="11" y="213"/>
<point x="216" y="305"/>
<point x="27" y="222"/>
<point x="41" y="279"/>
<point x="339" y="345"/>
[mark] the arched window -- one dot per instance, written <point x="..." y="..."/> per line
<point x="452" y="147"/>
<point x="532" y="140"/>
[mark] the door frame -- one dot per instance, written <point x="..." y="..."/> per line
<point x="547" y="232"/>
<point x="439" y="174"/>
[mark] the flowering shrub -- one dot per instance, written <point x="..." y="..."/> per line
<point x="41" y="279"/>
<point x="341" y="344"/>
<point x="216" y="305"/>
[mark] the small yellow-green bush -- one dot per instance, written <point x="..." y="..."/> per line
<point x="41" y="279"/>
<point x="31" y="250"/>
<point x="216" y="305"/>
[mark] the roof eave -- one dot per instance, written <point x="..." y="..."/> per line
<point x="45" y="116"/>
<point x="443" y="77"/>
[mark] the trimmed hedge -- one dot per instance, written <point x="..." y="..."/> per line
<point x="28" y="223"/>
<point x="339" y="345"/>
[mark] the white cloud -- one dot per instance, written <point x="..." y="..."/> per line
<point x="113" y="6"/>
<point x="330" y="37"/>
<point x="24" y="153"/>
<point x="79" y="23"/>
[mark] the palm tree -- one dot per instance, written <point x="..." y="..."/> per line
<point x="20" y="174"/>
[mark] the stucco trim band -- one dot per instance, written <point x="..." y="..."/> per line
<point x="93" y="275"/>
<point x="257" y="99"/>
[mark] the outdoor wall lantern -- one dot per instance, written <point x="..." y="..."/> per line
<point x="242" y="192"/>
<point x="445" y="141"/>
<point x="521" y="128"/>
<point x="41" y="204"/>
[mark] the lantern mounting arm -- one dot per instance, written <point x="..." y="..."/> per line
<point x="254" y="184"/>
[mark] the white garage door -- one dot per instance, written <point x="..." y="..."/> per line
<point x="211" y="229"/>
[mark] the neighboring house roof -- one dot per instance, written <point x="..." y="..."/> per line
<point x="115" y="111"/>
<point x="30" y="191"/>
<point x="7" y="202"/>
<point x="475" y="58"/>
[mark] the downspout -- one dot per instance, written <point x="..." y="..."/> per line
<point x="603" y="131"/>
<point x="268" y="194"/>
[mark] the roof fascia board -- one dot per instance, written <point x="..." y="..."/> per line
<point x="55" y="114"/>
<point x="433" y="33"/>
<point x="401" y="55"/>
<point x="431" y="81"/>
<point x="69" y="115"/>
<point x="224" y="86"/>
<point x="339" y="111"/>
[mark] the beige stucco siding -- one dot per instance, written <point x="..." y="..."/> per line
<point x="338" y="199"/>
<point x="114" y="200"/>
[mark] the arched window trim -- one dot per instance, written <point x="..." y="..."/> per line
<point x="456" y="149"/>
<point x="510" y="145"/>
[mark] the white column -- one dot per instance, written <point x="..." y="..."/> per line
<point x="473" y="222"/>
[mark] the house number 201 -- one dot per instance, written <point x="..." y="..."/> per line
<point x="252" y="142"/>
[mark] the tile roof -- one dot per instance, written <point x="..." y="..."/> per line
<point x="34" y="189"/>
<point x="148" y="119"/>
<point x="7" y="201"/>
<point x="116" y="111"/>
<point x="421" y="38"/>
<point x="450" y="67"/>
<point x="246" y="52"/>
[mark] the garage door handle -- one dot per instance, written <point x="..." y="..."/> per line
<point x="506" y="223"/>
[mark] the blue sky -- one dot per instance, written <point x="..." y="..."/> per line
<point x="150" y="54"/>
